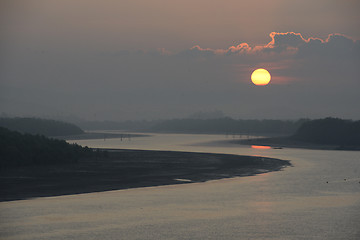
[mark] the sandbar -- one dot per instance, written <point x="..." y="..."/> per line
<point x="123" y="169"/>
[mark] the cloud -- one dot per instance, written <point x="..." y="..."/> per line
<point x="197" y="51"/>
<point x="311" y="77"/>
<point x="282" y="45"/>
<point x="334" y="46"/>
<point x="291" y="43"/>
<point x="292" y="56"/>
<point x="242" y="48"/>
<point x="286" y="39"/>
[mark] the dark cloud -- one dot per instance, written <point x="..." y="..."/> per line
<point x="242" y="48"/>
<point x="335" y="46"/>
<point x="291" y="43"/>
<point x="284" y="41"/>
<point x="197" y="51"/>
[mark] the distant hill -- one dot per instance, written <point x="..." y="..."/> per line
<point x="230" y="126"/>
<point x="223" y="125"/>
<point x="121" y="125"/>
<point x="328" y="133"/>
<point x="17" y="149"/>
<point x="40" y="126"/>
<point x="332" y="131"/>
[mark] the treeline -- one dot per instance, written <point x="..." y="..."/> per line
<point x="17" y="149"/>
<point x="140" y="125"/>
<point x="40" y="126"/>
<point x="229" y="125"/>
<point x="218" y="126"/>
<point x="332" y="131"/>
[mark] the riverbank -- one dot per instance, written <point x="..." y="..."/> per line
<point x="101" y="135"/>
<point x="123" y="169"/>
<point x="288" y="142"/>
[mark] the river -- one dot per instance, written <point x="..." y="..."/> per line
<point x="317" y="198"/>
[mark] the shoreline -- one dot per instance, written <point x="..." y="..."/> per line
<point x="286" y="142"/>
<point x="124" y="169"/>
<point x="100" y="135"/>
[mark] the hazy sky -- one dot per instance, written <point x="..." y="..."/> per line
<point x="145" y="59"/>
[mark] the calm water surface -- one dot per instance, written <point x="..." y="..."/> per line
<point x="317" y="198"/>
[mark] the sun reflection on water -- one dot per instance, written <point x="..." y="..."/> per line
<point x="260" y="147"/>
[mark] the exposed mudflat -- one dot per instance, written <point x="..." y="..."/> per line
<point x="124" y="169"/>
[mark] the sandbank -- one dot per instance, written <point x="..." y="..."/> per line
<point x="123" y="169"/>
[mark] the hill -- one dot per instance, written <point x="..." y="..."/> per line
<point x="39" y="126"/>
<point x="229" y="126"/>
<point x="328" y="133"/>
<point x="17" y="149"/>
<point x="333" y="131"/>
<point x="223" y="125"/>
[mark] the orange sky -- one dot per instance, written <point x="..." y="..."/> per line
<point x="176" y="25"/>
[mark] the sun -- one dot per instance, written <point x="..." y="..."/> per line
<point x="260" y="77"/>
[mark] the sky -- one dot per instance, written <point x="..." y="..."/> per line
<point x="161" y="59"/>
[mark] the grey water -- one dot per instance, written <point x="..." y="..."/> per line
<point x="317" y="198"/>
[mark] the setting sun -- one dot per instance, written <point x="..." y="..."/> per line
<point x="260" y="77"/>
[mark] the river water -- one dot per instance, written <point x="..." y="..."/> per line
<point x="317" y="198"/>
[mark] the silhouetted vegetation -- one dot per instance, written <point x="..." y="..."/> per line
<point x="17" y="149"/>
<point x="220" y="125"/>
<point x="143" y="125"/>
<point x="40" y="126"/>
<point x="332" y="131"/>
<point x="229" y="125"/>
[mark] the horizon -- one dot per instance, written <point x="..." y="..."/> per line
<point x="77" y="120"/>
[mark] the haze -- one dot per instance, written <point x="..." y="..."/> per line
<point x="119" y="60"/>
